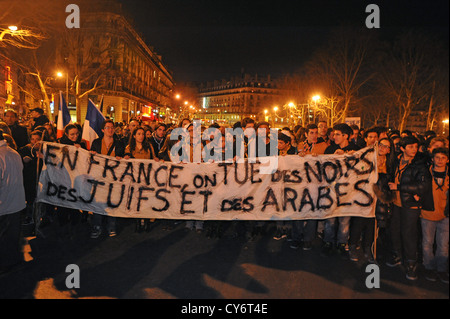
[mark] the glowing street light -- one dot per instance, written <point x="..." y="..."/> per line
<point x="60" y="75"/>
<point x="11" y="31"/>
<point x="445" y="123"/>
<point x="316" y="98"/>
<point x="21" y="38"/>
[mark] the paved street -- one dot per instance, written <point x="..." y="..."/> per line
<point x="186" y="265"/>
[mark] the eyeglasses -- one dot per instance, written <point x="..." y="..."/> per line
<point x="384" y="146"/>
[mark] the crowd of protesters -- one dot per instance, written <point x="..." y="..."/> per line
<point x="411" y="223"/>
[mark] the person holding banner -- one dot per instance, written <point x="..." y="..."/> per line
<point x="307" y="228"/>
<point x="284" y="148"/>
<point x="68" y="217"/>
<point x="311" y="145"/>
<point x="158" y="136"/>
<point x="246" y="123"/>
<point x="370" y="136"/>
<point x="51" y="132"/>
<point x="413" y="191"/>
<point x="192" y="149"/>
<point x="336" y="230"/>
<point x="72" y="136"/>
<point x="262" y="142"/>
<point x="131" y="127"/>
<point x="165" y="156"/>
<point x="111" y="146"/>
<point x="139" y="147"/>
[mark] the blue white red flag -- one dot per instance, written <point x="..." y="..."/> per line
<point x="63" y="116"/>
<point x="92" y="127"/>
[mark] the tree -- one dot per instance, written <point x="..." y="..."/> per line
<point x="340" y="69"/>
<point x="28" y="29"/>
<point x="406" y="73"/>
<point x="296" y="92"/>
<point x="85" y="56"/>
<point x="26" y="24"/>
<point x="37" y="65"/>
<point x="438" y="95"/>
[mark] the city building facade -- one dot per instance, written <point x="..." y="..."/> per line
<point x="229" y="101"/>
<point x="114" y="65"/>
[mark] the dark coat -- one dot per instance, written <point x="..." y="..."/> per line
<point x="41" y="120"/>
<point x="416" y="180"/>
<point x="20" y="135"/>
<point x="385" y="198"/>
<point x="156" y="146"/>
<point x="65" y="140"/>
<point x="118" y="146"/>
<point x="334" y="147"/>
<point x="30" y="172"/>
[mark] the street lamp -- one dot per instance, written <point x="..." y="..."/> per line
<point x="60" y="75"/>
<point x="11" y="29"/>
<point x="316" y="99"/>
<point x="445" y="123"/>
<point x="20" y="38"/>
<point x="276" y="116"/>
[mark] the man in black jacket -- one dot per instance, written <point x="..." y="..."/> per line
<point x="336" y="230"/>
<point x="109" y="145"/>
<point x="39" y="118"/>
<point x="19" y="132"/>
<point x="412" y="189"/>
<point x="158" y="137"/>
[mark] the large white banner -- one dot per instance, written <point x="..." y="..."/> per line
<point x="310" y="187"/>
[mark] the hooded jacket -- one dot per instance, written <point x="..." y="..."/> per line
<point x="416" y="180"/>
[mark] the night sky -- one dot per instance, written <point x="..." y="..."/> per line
<point x="205" y="40"/>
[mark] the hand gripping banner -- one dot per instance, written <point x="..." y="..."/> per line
<point x="310" y="187"/>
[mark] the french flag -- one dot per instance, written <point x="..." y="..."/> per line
<point x="63" y="116"/>
<point x="92" y="127"/>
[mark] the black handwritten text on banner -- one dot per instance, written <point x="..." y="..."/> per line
<point x="310" y="187"/>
